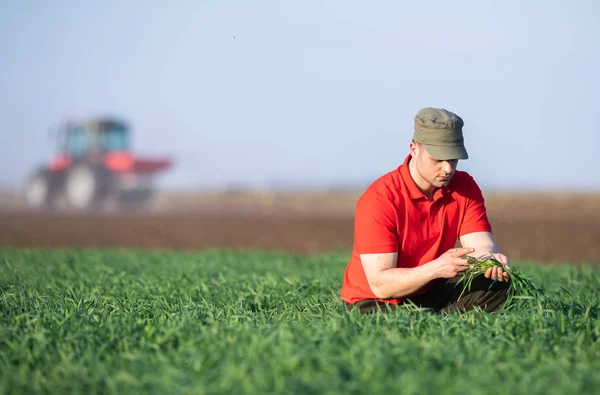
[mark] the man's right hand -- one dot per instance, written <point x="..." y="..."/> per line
<point x="450" y="264"/>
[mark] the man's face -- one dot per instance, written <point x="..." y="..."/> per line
<point x="433" y="173"/>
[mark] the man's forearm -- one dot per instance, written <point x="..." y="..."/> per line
<point x="482" y="242"/>
<point x="400" y="282"/>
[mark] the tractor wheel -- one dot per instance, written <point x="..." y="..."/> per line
<point x="40" y="190"/>
<point x="83" y="187"/>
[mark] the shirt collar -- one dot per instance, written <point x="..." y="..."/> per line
<point x="413" y="190"/>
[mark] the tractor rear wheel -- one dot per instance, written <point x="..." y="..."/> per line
<point x="83" y="187"/>
<point x="40" y="190"/>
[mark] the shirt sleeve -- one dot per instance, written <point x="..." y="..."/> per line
<point x="475" y="218"/>
<point x="375" y="225"/>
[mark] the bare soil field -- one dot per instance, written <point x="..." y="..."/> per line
<point x="546" y="228"/>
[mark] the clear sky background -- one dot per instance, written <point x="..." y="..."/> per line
<point x="312" y="93"/>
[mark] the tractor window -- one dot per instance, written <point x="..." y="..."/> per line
<point x="77" y="142"/>
<point x="115" y="140"/>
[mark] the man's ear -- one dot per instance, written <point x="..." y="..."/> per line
<point x="414" y="149"/>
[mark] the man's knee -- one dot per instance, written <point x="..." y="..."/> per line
<point x="484" y="293"/>
<point x="480" y="283"/>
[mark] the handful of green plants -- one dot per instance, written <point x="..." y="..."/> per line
<point x="520" y="287"/>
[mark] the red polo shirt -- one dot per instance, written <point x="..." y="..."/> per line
<point x="393" y="215"/>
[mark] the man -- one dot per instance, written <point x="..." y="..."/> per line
<point x="408" y="221"/>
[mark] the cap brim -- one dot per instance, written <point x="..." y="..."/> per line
<point x="447" y="153"/>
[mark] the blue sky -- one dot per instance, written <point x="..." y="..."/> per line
<point x="320" y="93"/>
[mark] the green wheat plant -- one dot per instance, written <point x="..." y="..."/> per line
<point x="521" y="288"/>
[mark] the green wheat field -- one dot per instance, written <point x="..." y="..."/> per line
<point x="214" y="322"/>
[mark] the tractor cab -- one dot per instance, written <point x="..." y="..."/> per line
<point x="90" y="141"/>
<point x="81" y="139"/>
<point x="104" y="143"/>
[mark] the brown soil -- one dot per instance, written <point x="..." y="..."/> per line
<point x="546" y="229"/>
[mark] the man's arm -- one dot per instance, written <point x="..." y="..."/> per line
<point x="388" y="281"/>
<point x="484" y="243"/>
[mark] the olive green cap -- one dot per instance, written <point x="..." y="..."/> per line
<point x="440" y="132"/>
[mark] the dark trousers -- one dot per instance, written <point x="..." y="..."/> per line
<point x="443" y="297"/>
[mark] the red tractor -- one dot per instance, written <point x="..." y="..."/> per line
<point x="94" y="166"/>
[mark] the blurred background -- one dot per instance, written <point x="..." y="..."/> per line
<point x="294" y="108"/>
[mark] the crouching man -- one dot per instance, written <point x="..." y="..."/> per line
<point x="407" y="223"/>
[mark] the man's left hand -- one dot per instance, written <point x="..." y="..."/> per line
<point x="497" y="272"/>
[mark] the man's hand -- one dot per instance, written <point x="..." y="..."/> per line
<point x="497" y="272"/>
<point x="450" y="263"/>
<point x="484" y="242"/>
